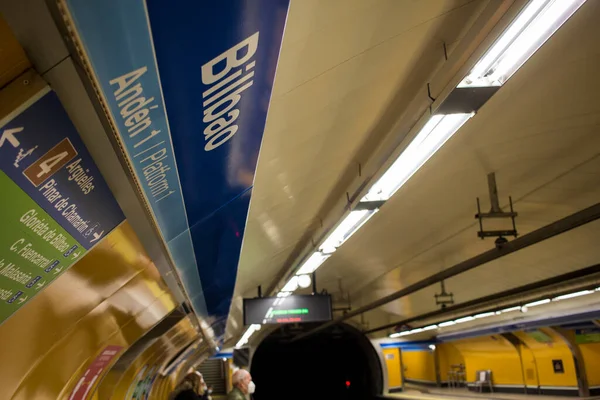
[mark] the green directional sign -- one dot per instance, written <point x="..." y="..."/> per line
<point x="34" y="249"/>
<point x="539" y="336"/>
<point x="589" y="335"/>
<point x="55" y="204"/>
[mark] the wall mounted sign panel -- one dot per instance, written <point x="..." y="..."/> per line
<point x="285" y="310"/>
<point x="539" y="336"/>
<point x="187" y="86"/>
<point x="241" y="357"/>
<point x="41" y="151"/>
<point x="55" y="203"/>
<point x="558" y="366"/>
<point x="141" y="386"/>
<point x="588" y="335"/>
<point x="94" y="373"/>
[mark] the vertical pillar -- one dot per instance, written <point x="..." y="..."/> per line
<point x="582" y="382"/>
<point x="402" y="369"/>
<point x="228" y="375"/>
<point x="384" y="370"/>
<point x="436" y="363"/>
<point x="516" y="342"/>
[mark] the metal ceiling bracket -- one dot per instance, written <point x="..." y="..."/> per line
<point x="363" y="324"/>
<point x="466" y="100"/>
<point x="344" y="299"/>
<point x="369" y="205"/>
<point x="444" y="299"/>
<point x="496" y="212"/>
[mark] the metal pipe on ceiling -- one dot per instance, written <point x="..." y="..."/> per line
<point x="546" y="232"/>
<point x="564" y="278"/>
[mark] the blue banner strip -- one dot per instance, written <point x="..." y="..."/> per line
<point x="210" y="66"/>
<point x="118" y="45"/>
<point x="217" y="82"/>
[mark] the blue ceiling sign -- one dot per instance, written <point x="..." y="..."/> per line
<point x="189" y="100"/>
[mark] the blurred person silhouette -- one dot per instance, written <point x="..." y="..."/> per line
<point x="243" y="386"/>
<point x="188" y="389"/>
<point x="203" y="389"/>
<point x="209" y="390"/>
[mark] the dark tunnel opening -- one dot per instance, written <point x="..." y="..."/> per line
<point x="339" y="363"/>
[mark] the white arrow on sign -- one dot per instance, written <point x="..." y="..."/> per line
<point x="9" y="135"/>
<point x="22" y="299"/>
<point x="57" y="270"/>
<point x="96" y="236"/>
<point x="40" y="284"/>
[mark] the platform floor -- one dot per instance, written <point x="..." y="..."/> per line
<point x="416" y="392"/>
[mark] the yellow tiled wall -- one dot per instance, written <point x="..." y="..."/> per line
<point x="393" y="365"/>
<point x="419" y="365"/>
<point x="545" y="354"/>
<point x="494" y="353"/>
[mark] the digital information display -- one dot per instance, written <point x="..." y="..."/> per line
<point x="286" y="310"/>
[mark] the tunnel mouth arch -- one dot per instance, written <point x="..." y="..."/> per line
<point x="337" y="363"/>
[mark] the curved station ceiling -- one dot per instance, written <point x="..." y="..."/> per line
<point x="350" y="87"/>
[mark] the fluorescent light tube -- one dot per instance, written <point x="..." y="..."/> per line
<point x="465" y="319"/>
<point x="537" y="303"/>
<point x="269" y="311"/>
<point x="516" y="308"/>
<point x="416" y="330"/>
<point x="447" y="323"/>
<point x="292" y="285"/>
<point x="571" y="295"/>
<point x="534" y="25"/>
<point x="398" y="334"/>
<point x="283" y="294"/>
<point x="434" y="134"/>
<point x="312" y="263"/>
<point x="280" y="301"/>
<point x="246" y="336"/>
<point x="430" y="327"/>
<point x="345" y="229"/>
<point x="484" y="315"/>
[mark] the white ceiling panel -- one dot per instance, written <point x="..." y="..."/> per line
<point x="348" y="69"/>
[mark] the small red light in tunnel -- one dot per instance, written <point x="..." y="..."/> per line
<point x="347" y="384"/>
<point x="237" y="234"/>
